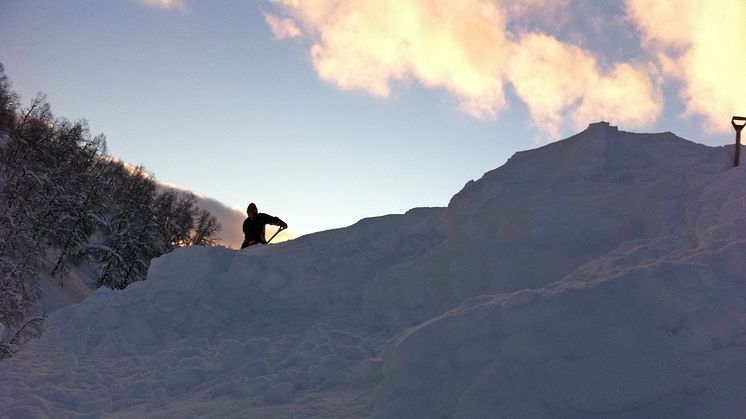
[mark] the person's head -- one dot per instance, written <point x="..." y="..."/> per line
<point x="251" y="210"/>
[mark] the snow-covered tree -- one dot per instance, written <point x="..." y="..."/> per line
<point x="8" y="102"/>
<point x="63" y="202"/>
<point x="206" y="227"/>
<point x="21" y="178"/>
<point x="125" y="252"/>
<point x="81" y="200"/>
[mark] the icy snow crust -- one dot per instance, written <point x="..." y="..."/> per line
<point x="600" y="276"/>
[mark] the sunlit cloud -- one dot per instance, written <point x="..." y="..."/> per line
<point x="466" y="49"/>
<point x="626" y="95"/>
<point x="178" y="5"/>
<point x="282" y="28"/>
<point x="702" y="44"/>
<point x="369" y="46"/>
<point x="230" y="219"/>
<point x="559" y="82"/>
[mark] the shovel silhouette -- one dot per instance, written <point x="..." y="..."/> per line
<point x="738" y="122"/>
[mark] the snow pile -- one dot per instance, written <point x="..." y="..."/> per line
<point x="653" y="324"/>
<point x="548" y="211"/>
<point x="271" y="331"/>
<point x="603" y="275"/>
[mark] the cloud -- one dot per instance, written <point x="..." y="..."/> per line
<point x="282" y="28"/>
<point x="466" y="49"/>
<point x="702" y="45"/>
<point x="230" y="219"/>
<point x="558" y="81"/>
<point x="368" y="46"/>
<point x="178" y="5"/>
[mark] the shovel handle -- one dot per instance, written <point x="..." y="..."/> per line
<point x="738" y="127"/>
<point x="276" y="233"/>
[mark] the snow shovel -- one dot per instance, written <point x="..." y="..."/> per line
<point x="738" y="126"/>
<point x="276" y="233"/>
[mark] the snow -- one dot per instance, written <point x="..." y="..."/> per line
<point x="77" y="286"/>
<point x="600" y="276"/>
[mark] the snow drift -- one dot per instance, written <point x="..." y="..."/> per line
<point x="603" y="275"/>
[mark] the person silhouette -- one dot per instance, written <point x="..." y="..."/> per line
<point x="253" y="226"/>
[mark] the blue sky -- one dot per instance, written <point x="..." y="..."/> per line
<point x="322" y="119"/>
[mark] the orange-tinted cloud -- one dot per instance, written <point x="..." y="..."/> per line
<point x="626" y="95"/>
<point x="178" y="5"/>
<point x="702" y="44"/>
<point x="464" y="48"/>
<point x="282" y="28"/>
<point x="230" y="219"/>
<point x="559" y="82"/>
<point x="370" y="46"/>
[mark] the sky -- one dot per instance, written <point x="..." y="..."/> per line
<point x="324" y="112"/>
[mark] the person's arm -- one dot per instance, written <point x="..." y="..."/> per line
<point x="268" y="219"/>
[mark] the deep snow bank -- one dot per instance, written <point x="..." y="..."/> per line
<point x="664" y="337"/>
<point x="273" y="331"/>
<point x="654" y="327"/>
<point x="548" y="211"/>
<point x="600" y="275"/>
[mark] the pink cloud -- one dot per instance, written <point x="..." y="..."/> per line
<point x="700" y="44"/>
<point x="465" y="49"/>
<point x="178" y="5"/>
<point x="370" y="46"/>
<point x="282" y="28"/>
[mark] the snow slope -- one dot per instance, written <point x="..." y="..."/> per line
<point x="600" y="276"/>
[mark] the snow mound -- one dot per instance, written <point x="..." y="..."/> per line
<point x="272" y="331"/>
<point x="548" y="211"/>
<point x="599" y="276"/>
<point x="652" y="329"/>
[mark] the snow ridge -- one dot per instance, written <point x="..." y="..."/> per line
<point x="599" y="276"/>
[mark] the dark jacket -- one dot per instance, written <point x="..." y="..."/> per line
<point x="253" y="228"/>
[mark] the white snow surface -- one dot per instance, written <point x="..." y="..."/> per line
<point x="599" y="276"/>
